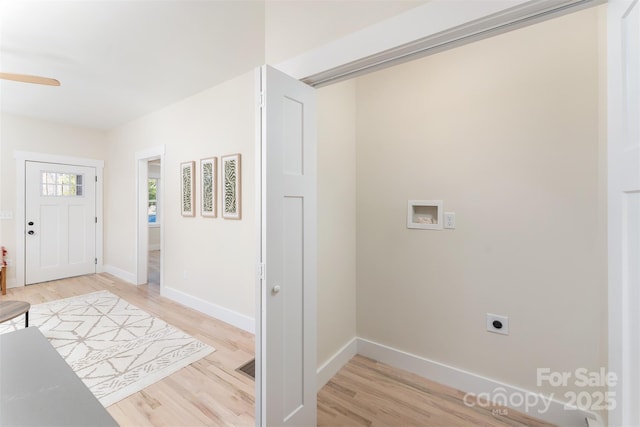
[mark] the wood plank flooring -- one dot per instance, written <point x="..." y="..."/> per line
<point x="153" y="270"/>
<point x="207" y="392"/>
<point x="211" y="392"/>
<point x="369" y="393"/>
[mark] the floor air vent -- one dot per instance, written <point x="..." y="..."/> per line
<point x="249" y="368"/>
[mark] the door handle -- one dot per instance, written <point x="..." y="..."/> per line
<point x="275" y="290"/>
<point x="31" y="232"/>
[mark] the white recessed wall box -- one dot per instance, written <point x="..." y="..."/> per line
<point x="424" y="214"/>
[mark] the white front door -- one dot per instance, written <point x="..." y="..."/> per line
<point x="624" y="209"/>
<point x="60" y="229"/>
<point x="286" y="374"/>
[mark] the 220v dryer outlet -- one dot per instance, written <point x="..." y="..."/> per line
<point x="497" y="324"/>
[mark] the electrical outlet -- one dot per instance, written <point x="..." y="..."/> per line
<point x="449" y="220"/>
<point x="497" y="324"/>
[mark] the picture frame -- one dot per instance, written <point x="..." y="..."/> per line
<point x="231" y="172"/>
<point x="187" y="188"/>
<point x="209" y="187"/>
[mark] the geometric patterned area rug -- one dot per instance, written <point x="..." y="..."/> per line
<point x="116" y="348"/>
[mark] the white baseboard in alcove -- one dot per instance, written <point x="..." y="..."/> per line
<point x="336" y="362"/>
<point x="547" y="409"/>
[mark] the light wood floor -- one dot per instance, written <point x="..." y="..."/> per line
<point x="153" y="270"/>
<point x="369" y="393"/>
<point x="207" y="392"/>
<point x="211" y="392"/>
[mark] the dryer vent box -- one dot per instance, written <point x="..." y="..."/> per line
<point x="424" y="214"/>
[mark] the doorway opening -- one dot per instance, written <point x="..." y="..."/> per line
<point x="154" y="220"/>
<point x="394" y="105"/>
<point x="150" y="227"/>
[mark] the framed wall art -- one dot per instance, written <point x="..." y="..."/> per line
<point x="187" y="188"/>
<point x="231" y="186"/>
<point x="209" y="186"/>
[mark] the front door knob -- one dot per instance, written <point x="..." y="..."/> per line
<point x="275" y="290"/>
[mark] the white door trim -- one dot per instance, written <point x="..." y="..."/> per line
<point x="142" y="158"/>
<point x="623" y="181"/>
<point x="21" y="158"/>
<point x="259" y="196"/>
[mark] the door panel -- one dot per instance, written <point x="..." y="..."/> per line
<point x="49" y="218"/>
<point x="293" y="303"/>
<point x="287" y="345"/>
<point x="60" y="221"/>
<point x="77" y="233"/>
<point x="293" y="137"/>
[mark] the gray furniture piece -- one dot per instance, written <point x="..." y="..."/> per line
<point x="13" y="309"/>
<point x="38" y="388"/>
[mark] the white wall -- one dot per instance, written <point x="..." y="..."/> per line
<point x="507" y="133"/>
<point x="26" y="134"/>
<point x="336" y="218"/>
<point x="210" y="259"/>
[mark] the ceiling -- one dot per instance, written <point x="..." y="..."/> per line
<point x="118" y="60"/>
<point x="121" y="59"/>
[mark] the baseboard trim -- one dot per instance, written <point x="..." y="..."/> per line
<point x="120" y="273"/>
<point x="226" y="315"/>
<point x="473" y="383"/>
<point x="336" y="362"/>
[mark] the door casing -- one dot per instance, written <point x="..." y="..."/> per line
<point x="623" y="193"/>
<point x="142" y="158"/>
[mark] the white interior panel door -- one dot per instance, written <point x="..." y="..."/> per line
<point x="624" y="208"/>
<point x="60" y="207"/>
<point x="287" y="375"/>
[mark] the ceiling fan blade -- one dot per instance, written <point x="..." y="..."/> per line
<point x="24" y="78"/>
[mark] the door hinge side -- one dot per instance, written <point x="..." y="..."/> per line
<point x="96" y="178"/>
<point x="96" y="220"/>
<point x="261" y="100"/>
<point x="261" y="271"/>
<point x="95" y="261"/>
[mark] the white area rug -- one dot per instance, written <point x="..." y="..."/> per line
<point x="114" y="347"/>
